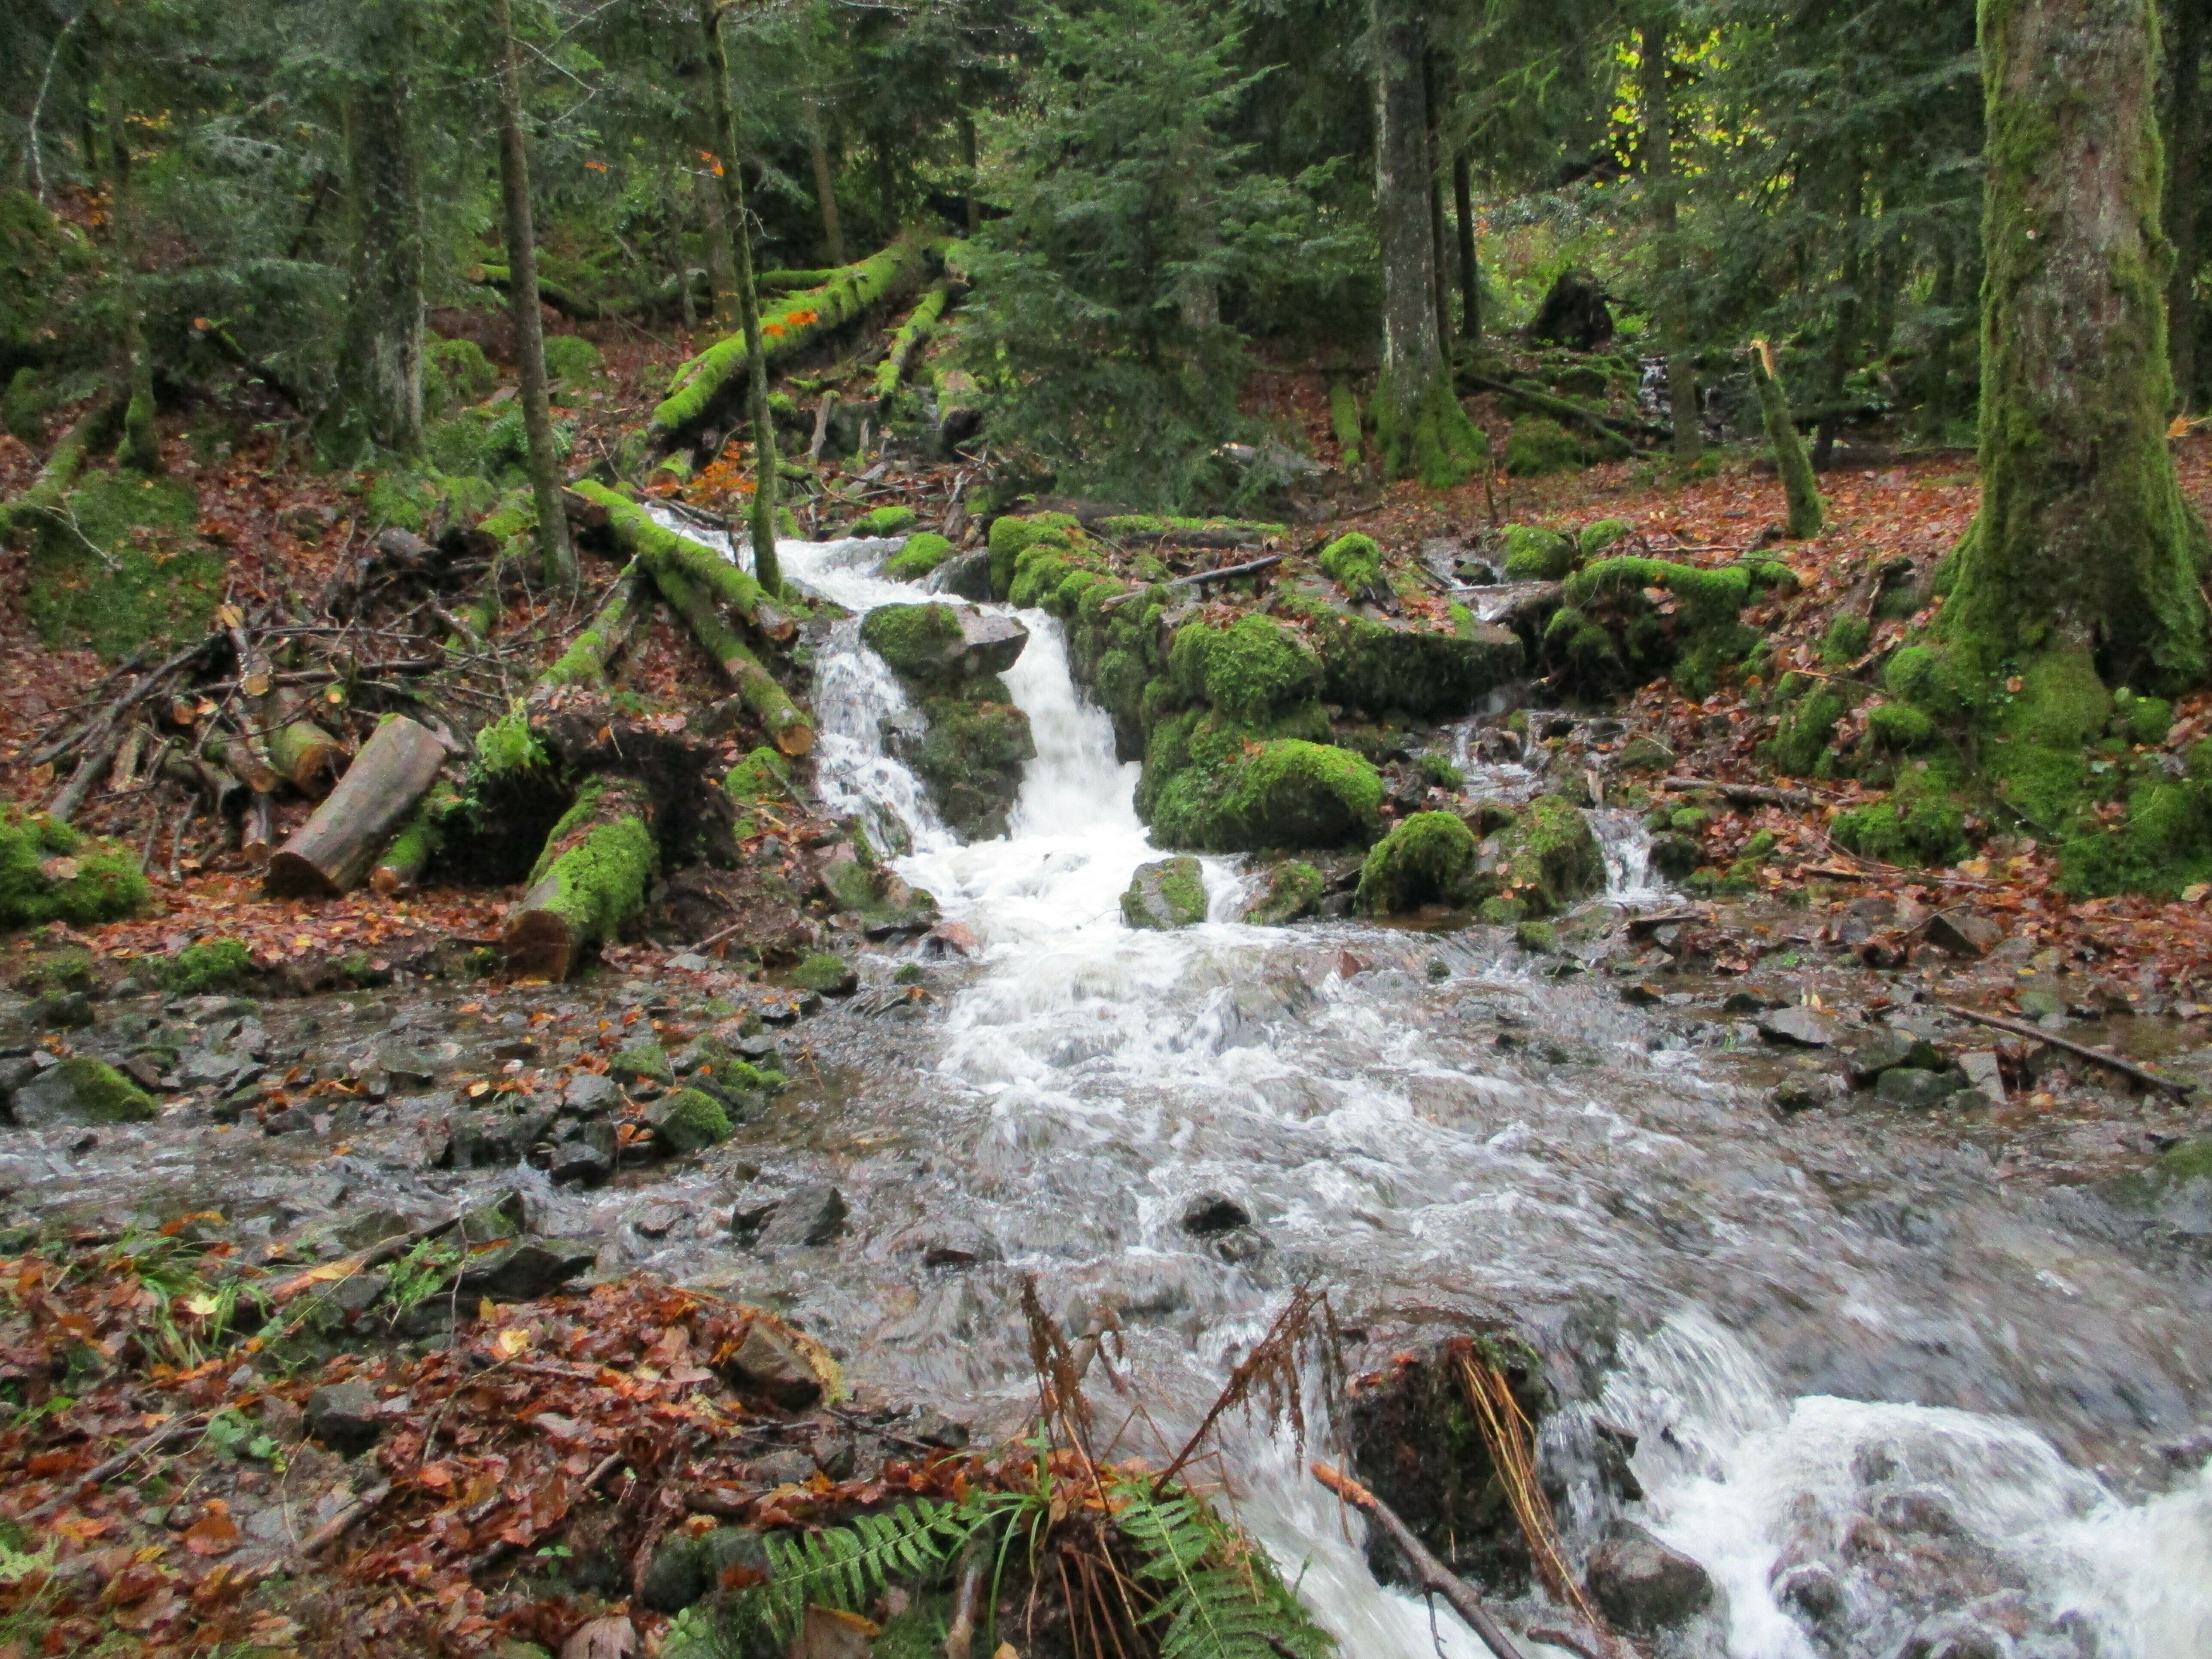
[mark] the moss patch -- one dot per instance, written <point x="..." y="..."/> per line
<point x="1534" y="554"/>
<point x="920" y="557"/>
<point x="883" y="522"/>
<point x="1353" y="562"/>
<point x="1537" y="446"/>
<point x="50" y="872"/>
<point x="688" y="1121"/>
<point x="1164" y="894"/>
<point x="1291" y="890"/>
<point x="219" y="964"/>
<point x="1430" y="858"/>
<point x="119" y="565"/>
<point x="97" y="1092"/>
<point x="1549" y="858"/>
<point x="828" y="974"/>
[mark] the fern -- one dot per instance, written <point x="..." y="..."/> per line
<point x="1219" y="1597"/>
<point x="848" y="1567"/>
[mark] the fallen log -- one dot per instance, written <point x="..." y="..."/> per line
<point x="83" y="781"/>
<point x="589" y="881"/>
<point x="2021" y="1027"/>
<point x="718" y="375"/>
<point x="1559" y="409"/>
<point x="907" y="341"/>
<point x="332" y="852"/>
<point x="789" y="730"/>
<point x="585" y="662"/>
<point x="301" y="751"/>
<point x="1431" y="1575"/>
<point x="258" y="831"/>
<point x="417" y="842"/>
<point x="1252" y="566"/>
<point x="242" y="758"/>
<point x="1756" y="795"/>
<point x="91" y="432"/>
<point x="637" y="533"/>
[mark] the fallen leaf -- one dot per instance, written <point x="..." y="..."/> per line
<point x="213" y="1534"/>
<point x="611" y="1638"/>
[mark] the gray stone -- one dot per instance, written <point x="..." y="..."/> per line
<point x="1801" y="1027"/>
<point x="1982" y="1074"/>
<point x="357" y="1291"/>
<point x="70" y="1010"/>
<point x="963" y="575"/>
<point x="1885" y="1050"/>
<point x="343" y="1416"/>
<point x="690" y="962"/>
<point x="1642" y="1585"/>
<point x="1165" y="894"/>
<point x="1963" y="934"/>
<point x="805" y="1217"/>
<point x="788" y="1468"/>
<point x="1801" y="1094"/>
<point x="1813" y="1590"/>
<point x="586" y="1154"/>
<point x="590" y="1094"/>
<point x="524" y="1269"/>
<point x="1906" y="1086"/>
<point x="1644" y="753"/>
<point x="503" y="1215"/>
<point x="728" y="1548"/>
<point x="1211" y="1214"/>
<point x="1927" y="1511"/>
<point x="410" y="1069"/>
<point x="768" y="1362"/>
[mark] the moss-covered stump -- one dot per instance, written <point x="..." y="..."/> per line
<point x="1164" y="894"/>
<point x="1430" y="858"/>
<point x="118" y="564"/>
<point x="51" y="872"/>
<point x="1415" y="1442"/>
<point x="82" y="1089"/>
<point x="1547" y="858"/>
<point x="1291" y="891"/>
<point x="943" y="647"/>
<point x="688" y="1121"/>
<point x="589" y="881"/>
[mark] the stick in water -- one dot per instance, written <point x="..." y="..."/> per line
<point x="1430" y="1574"/>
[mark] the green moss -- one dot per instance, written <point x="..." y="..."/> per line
<point x="1167" y="894"/>
<point x="601" y="856"/>
<point x="23" y="407"/>
<point x="507" y="747"/>
<point x="1930" y="680"/>
<point x="1213" y="785"/>
<point x="51" y="872"/>
<point x="971" y="759"/>
<point x="1922" y="822"/>
<point x="2039" y="758"/>
<point x="1011" y="536"/>
<point x="1293" y="888"/>
<point x="883" y="522"/>
<point x="1429" y="858"/>
<point x="1695" y="632"/>
<point x="220" y="965"/>
<point x="1428" y="436"/>
<point x="1247" y="670"/>
<point x="1689" y="820"/>
<point x="1439" y="770"/>
<point x="920" y="556"/>
<point x="1601" y="533"/>
<point x="119" y="565"/>
<point x="1550" y="857"/>
<point x="689" y="1121"/>
<point x="455" y="373"/>
<point x="1537" y="938"/>
<point x="104" y="1095"/>
<point x="825" y="972"/>
<point x="1370" y="665"/>
<point x="1534" y="554"/>
<point x="1845" y="641"/>
<point x="1344" y="419"/>
<point x="1353" y="562"/>
<point x="761" y="779"/>
<point x="1537" y="446"/>
<point x="1898" y="728"/>
<point x="2145" y="720"/>
<point x="1501" y="910"/>
<point x="912" y="639"/>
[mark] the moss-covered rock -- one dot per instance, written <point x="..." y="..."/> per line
<point x="971" y="759"/>
<point x="1430" y="858"/>
<point x="920" y="557"/>
<point x="936" y="646"/>
<point x="1386" y="666"/>
<point x="82" y="1089"/>
<point x="1164" y="894"/>
<point x="218" y="964"/>
<point x="760" y="784"/>
<point x="1923" y="822"/>
<point x="1611" y="635"/>
<point x="1802" y="737"/>
<point x="827" y="973"/>
<point x="1216" y="786"/>
<point x="1845" y="641"/>
<point x="50" y="872"/>
<point x="884" y="521"/>
<point x="1549" y="858"/>
<point x="1534" y="554"/>
<point x="1354" y="563"/>
<point x="1899" y="727"/>
<point x="1537" y="446"/>
<point x="1247" y="671"/>
<point x="571" y="360"/>
<point x="1011" y="536"/>
<point x="1600" y="534"/>
<point x="641" y="1061"/>
<point x="688" y="1121"/>
<point x="1289" y="891"/>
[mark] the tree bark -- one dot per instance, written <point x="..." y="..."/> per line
<point x="766" y="570"/>
<point x="968" y="162"/>
<point x="2185" y="150"/>
<point x="825" y="188"/>
<point x="1470" y="272"/>
<point x="1417" y="419"/>
<point x="556" y="558"/>
<point x="400" y="870"/>
<point x="301" y="750"/>
<point x="637" y="534"/>
<point x="2084" y="559"/>
<point x="1798" y="487"/>
<point x="590" y="880"/>
<point x="1439" y="284"/>
<point x="1660" y="183"/>
<point x="333" y="851"/>
<point x="380" y="359"/>
<point x="721" y="263"/>
<point x="141" y="448"/>
<point x="787" y="728"/>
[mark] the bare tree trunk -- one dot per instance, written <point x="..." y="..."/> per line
<point x="721" y="263"/>
<point x="825" y="188"/>
<point x="557" y="558"/>
<point x="766" y="570"/>
<point x="2184" y="151"/>
<point x="1660" y="182"/>
<point x="1470" y="273"/>
<point x="1439" y="284"/>
<point x="380" y="361"/>
<point x="141" y="447"/>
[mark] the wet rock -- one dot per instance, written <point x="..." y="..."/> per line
<point x="1644" y="753"/>
<point x="1811" y="1590"/>
<point x="1951" y="1637"/>
<point x="806" y="1217"/>
<point x="657" y="1218"/>
<point x="358" y="1292"/>
<point x="827" y="975"/>
<point x="587" y="1155"/>
<point x="1885" y="1050"/>
<point x="524" y="1268"/>
<point x="964" y="575"/>
<point x="1643" y="995"/>
<point x="1906" y="1086"/>
<point x="789" y="1467"/>
<point x="1675" y="855"/>
<point x="685" y="1568"/>
<point x="1291" y="889"/>
<point x="1963" y="934"/>
<point x="1926" y="1510"/>
<point x="933" y="1428"/>
<point x="1983" y="1074"/>
<point x="82" y="1090"/>
<point x="643" y="1060"/>
<point x="768" y="1361"/>
<point x="689" y="962"/>
<point x="502" y="1216"/>
<point x="688" y="1121"/>
<point x="951" y="938"/>
<point x="70" y="1011"/>
<point x="1642" y="1584"/>
<point x="210" y="1067"/>
<point x="1802" y="1094"/>
<point x="344" y="1416"/>
<point x="1211" y="1214"/>
<point x="1164" y="894"/>
<point x="939" y="647"/>
<point x="407" y="1066"/>
<point x="590" y="1094"/>
<point x="1801" y="1027"/>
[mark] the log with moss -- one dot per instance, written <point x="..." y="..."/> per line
<point x="907" y="341"/>
<point x="89" y="434"/>
<point x="333" y="851"/>
<point x="301" y="751"/>
<point x="636" y="533"/>
<point x="714" y="381"/>
<point x="1807" y="511"/>
<point x="789" y="730"/>
<point x="585" y="662"/>
<point x="419" y="841"/>
<point x="589" y="883"/>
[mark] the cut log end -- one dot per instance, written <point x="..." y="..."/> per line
<point x="540" y="943"/>
<point x="289" y="876"/>
<point x="795" y="740"/>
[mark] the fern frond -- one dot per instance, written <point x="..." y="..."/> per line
<point x="1219" y="1597"/>
<point x="846" y="1568"/>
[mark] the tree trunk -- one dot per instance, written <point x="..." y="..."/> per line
<point x="400" y="870"/>
<point x="380" y="359"/>
<point x="589" y="883"/>
<point x="1439" y="284"/>
<point x="2185" y="150"/>
<point x="585" y="662"/>
<point x="721" y="263"/>
<point x="825" y="188"/>
<point x="556" y="558"/>
<point x="141" y="448"/>
<point x="766" y="570"/>
<point x="2083" y="562"/>
<point x="787" y="728"/>
<point x="333" y="851"/>
<point x="1660" y="182"/>
<point x="637" y="534"/>
<point x="1843" y="339"/>
<point x="1417" y="419"/>
<point x="1798" y="487"/>
<point x="968" y="162"/>
<point x="1470" y="272"/>
<point x="301" y="750"/>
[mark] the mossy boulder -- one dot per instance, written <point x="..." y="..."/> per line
<point x="1216" y="786"/>
<point x="1289" y="891"/>
<point x="827" y="973"/>
<point x="1623" y="622"/>
<point x="1011" y="536"/>
<point x="1248" y="670"/>
<point x="1599" y="534"/>
<point x="1164" y="894"/>
<point x="82" y="1089"/>
<point x="1391" y="666"/>
<point x="1534" y="554"/>
<point x="51" y="872"/>
<point x="1537" y="445"/>
<point x="884" y="521"/>
<point x="1430" y="858"/>
<point x="688" y="1121"/>
<point x="971" y="759"/>
<point x="1354" y="563"/>
<point x="641" y="1061"/>
<point x="920" y="557"/>
<point x="1923" y="821"/>
<point x="1549" y="858"/>
<point x="120" y="566"/>
<point x="218" y="964"/>
<point x="938" y="646"/>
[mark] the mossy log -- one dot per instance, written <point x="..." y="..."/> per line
<point x="1807" y="511"/>
<point x="716" y="378"/>
<point x="585" y="662"/>
<point x="589" y="881"/>
<point x="634" y="531"/>
<point x="1601" y="427"/>
<point x="789" y="730"/>
<point x="400" y="870"/>
<point x="90" y="433"/>
<point x="907" y="343"/>
<point x="301" y="751"/>
<point x="333" y="851"/>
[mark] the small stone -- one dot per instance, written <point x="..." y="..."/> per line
<point x="502" y="1216"/>
<point x="1983" y="1073"/>
<point x="1802" y="1027"/>
<point x="358" y="1292"/>
<point x="807" y="1217"/>
<point x="2043" y="1005"/>
<point x="827" y="975"/>
<point x="524" y="1269"/>
<point x="1963" y="934"/>
<point x="585" y="1155"/>
<point x="1813" y="1590"/>
<point x="1165" y="895"/>
<point x="1924" y="1509"/>
<point x="344" y="1416"/>
<point x="590" y="1094"/>
<point x="1211" y="1214"/>
<point x="933" y="1428"/>
<point x="1644" y="753"/>
<point x="768" y="1361"/>
<point x="70" y="1010"/>
<point x="1799" y="1094"/>
<point x="642" y="1061"/>
<point x="1909" y="1087"/>
<point x="1746" y="1002"/>
<point x="1885" y="1050"/>
<point x="409" y="1068"/>
<point x="690" y="962"/>
<point x="1643" y="995"/>
<point x="688" y="1121"/>
<point x="1642" y="1584"/>
<point x="788" y="1468"/>
<point x="673" y="1579"/>
<point x="657" y="1218"/>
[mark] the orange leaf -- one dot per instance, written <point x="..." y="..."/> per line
<point x="213" y="1534"/>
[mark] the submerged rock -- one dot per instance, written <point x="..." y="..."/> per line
<point x="1643" y="1585"/>
<point x="1164" y="894"/>
<point x="1292" y="890"/>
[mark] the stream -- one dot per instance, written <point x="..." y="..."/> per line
<point x="1436" y="1127"/>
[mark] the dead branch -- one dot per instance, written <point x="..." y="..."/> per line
<point x="1199" y="579"/>
<point x="1432" y="1576"/>
<point x="2021" y="1027"/>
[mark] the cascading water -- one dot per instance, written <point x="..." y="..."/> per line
<point x="1426" y="1124"/>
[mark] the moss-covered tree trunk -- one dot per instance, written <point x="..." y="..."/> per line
<point x="1798" y="486"/>
<point x="380" y="359"/>
<point x="2184" y="153"/>
<point x="2084" y="555"/>
<point x="141" y="447"/>
<point x="765" y="568"/>
<point x="1662" y="191"/>
<point x="825" y="186"/>
<point x="1417" y="419"/>
<point x="557" y="558"/>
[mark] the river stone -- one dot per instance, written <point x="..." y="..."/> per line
<point x="1813" y="1590"/>
<point x="1801" y="1027"/>
<point x="685" y="1569"/>
<point x="524" y="1269"/>
<point x="1164" y="894"/>
<point x="1963" y="934"/>
<point x="590" y="1094"/>
<point x="1983" y="1074"/>
<point x="964" y="575"/>
<point x="585" y="1154"/>
<point x="805" y="1217"/>
<point x="67" y="1011"/>
<point x="1906" y="1087"/>
<point x="688" y="1121"/>
<point x="940" y="646"/>
<point x="1211" y="1214"/>
<point x="502" y="1216"/>
<point x="643" y="1060"/>
<point x="1885" y="1050"/>
<point x="768" y="1361"/>
<point x="343" y="1416"/>
<point x="82" y="1090"/>
<point x="1642" y="1585"/>
<point x="1927" y="1511"/>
